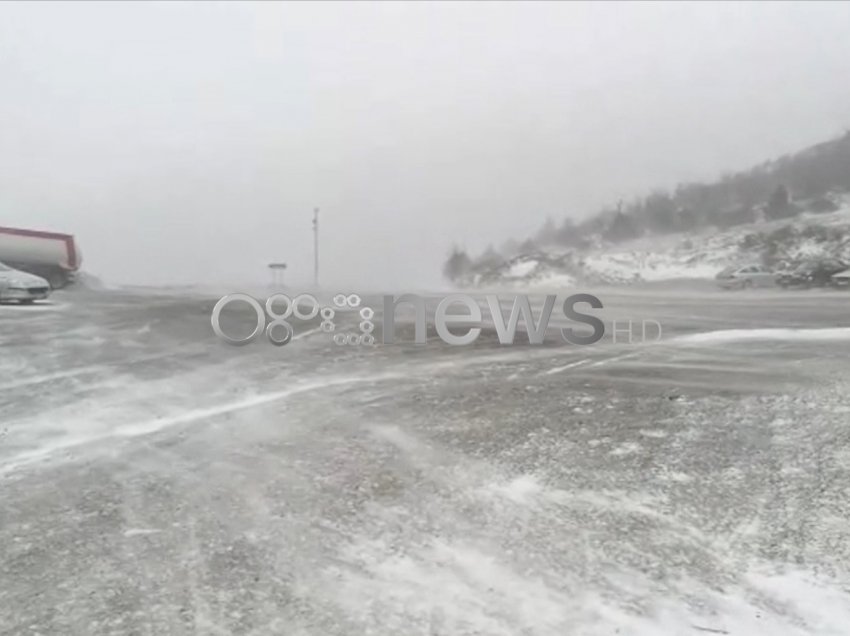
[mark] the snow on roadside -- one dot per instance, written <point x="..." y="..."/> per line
<point x="736" y="335"/>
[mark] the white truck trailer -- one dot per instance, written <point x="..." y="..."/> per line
<point x="51" y="255"/>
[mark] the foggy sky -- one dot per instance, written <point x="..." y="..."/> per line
<point x="189" y="143"/>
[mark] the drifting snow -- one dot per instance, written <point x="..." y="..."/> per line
<point x="39" y="439"/>
<point x="42" y="305"/>
<point x="421" y="584"/>
<point x="737" y="335"/>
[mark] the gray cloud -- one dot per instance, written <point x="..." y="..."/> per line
<point x="190" y="142"/>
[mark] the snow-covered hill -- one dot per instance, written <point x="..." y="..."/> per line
<point x="696" y="255"/>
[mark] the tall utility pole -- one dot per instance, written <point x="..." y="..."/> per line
<point x="316" y="247"/>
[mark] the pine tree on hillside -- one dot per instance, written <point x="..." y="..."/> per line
<point x="569" y="234"/>
<point x="548" y="234"/>
<point x="779" y="206"/>
<point x="529" y="246"/>
<point x="659" y="210"/>
<point x="458" y="265"/>
<point x="622" y="228"/>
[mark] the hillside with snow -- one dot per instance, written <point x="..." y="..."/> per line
<point x="777" y="214"/>
<point x="686" y="255"/>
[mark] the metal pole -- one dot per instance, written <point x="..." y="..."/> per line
<point x="316" y="247"/>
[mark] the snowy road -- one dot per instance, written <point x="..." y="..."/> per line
<point x="157" y="481"/>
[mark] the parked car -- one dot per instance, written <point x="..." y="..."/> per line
<point x="841" y="279"/>
<point x="21" y="286"/>
<point x="817" y="273"/>
<point x="746" y="276"/>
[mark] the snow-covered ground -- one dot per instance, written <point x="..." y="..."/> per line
<point x="158" y="481"/>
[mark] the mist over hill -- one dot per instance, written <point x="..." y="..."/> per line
<point x="777" y="213"/>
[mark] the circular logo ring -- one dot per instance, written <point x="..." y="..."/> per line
<point x="216" y="322"/>
<point x="296" y="310"/>
<point x="270" y="306"/>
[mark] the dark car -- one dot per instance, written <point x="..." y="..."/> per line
<point x="812" y="274"/>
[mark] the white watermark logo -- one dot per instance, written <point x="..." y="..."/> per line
<point x="275" y="315"/>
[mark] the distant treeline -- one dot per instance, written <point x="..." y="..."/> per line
<point x="778" y="189"/>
